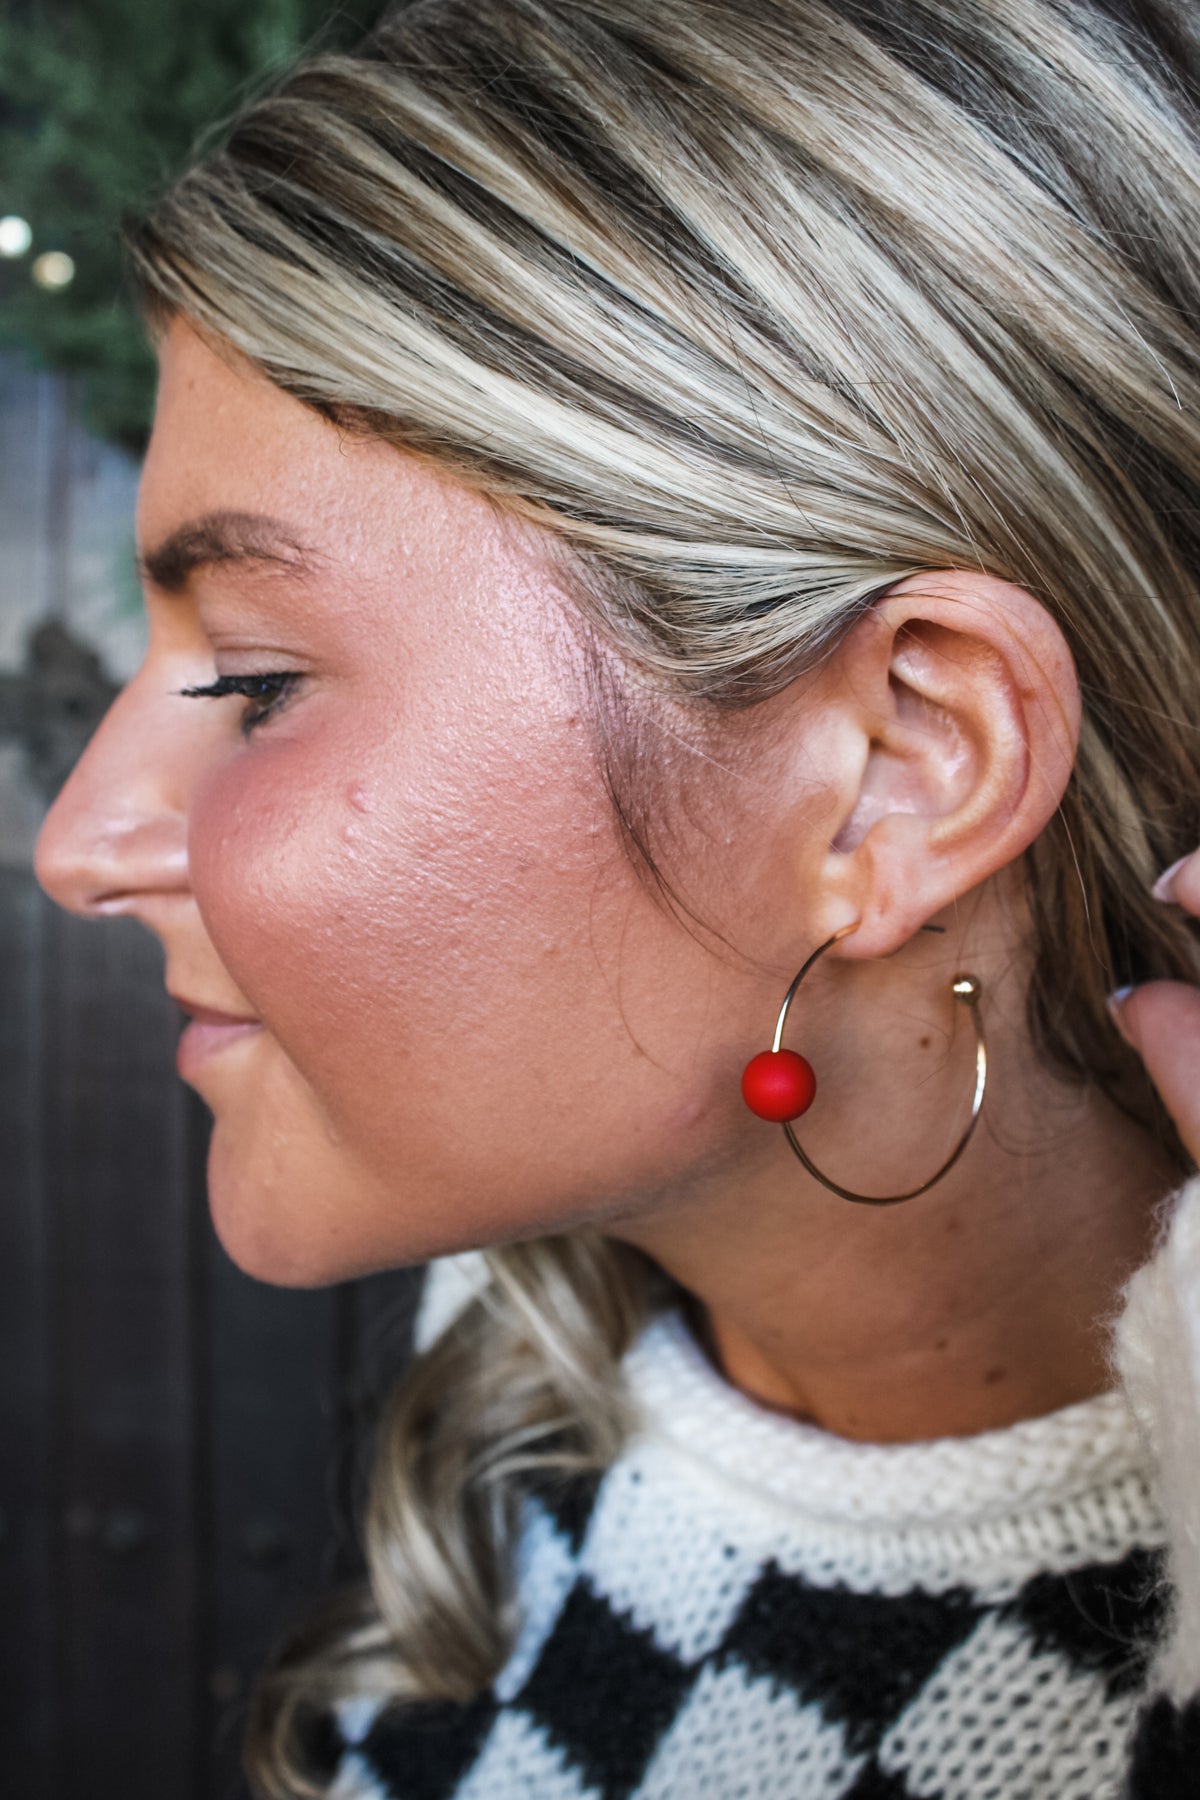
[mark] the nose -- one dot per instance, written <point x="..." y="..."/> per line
<point x="117" y="832"/>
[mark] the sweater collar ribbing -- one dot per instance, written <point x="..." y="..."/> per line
<point x="945" y="1483"/>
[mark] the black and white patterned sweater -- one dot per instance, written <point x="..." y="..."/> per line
<point x="746" y="1608"/>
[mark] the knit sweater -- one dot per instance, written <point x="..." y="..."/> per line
<point x="747" y="1608"/>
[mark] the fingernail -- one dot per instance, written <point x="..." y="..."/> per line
<point x="1164" y="887"/>
<point x="1117" y="999"/>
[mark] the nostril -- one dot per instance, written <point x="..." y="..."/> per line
<point x="98" y="868"/>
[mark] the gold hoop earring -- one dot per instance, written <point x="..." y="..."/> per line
<point x="779" y="1085"/>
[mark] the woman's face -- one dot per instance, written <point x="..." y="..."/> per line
<point x="470" y="1019"/>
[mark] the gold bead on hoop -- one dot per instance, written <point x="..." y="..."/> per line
<point x="780" y="1085"/>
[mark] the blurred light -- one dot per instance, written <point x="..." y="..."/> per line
<point x="15" y="236"/>
<point x="53" y="269"/>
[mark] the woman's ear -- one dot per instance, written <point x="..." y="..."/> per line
<point x="952" y="711"/>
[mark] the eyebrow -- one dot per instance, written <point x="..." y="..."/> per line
<point x="222" y="537"/>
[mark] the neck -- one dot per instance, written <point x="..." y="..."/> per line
<point x="981" y="1303"/>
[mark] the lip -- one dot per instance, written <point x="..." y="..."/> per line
<point x="202" y="1040"/>
<point x="207" y="1033"/>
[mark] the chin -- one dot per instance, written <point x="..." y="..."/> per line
<point x="262" y="1226"/>
<point x="260" y="1249"/>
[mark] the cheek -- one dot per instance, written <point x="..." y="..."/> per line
<point x="413" y="922"/>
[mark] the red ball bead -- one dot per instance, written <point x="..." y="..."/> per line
<point x="778" y="1085"/>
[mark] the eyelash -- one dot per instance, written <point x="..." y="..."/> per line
<point x="265" y="693"/>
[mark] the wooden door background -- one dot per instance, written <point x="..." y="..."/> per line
<point x="180" y="1447"/>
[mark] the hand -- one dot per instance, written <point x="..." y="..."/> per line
<point x="1162" y="1020"/>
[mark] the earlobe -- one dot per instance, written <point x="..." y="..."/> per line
<point x="968" y="700"/>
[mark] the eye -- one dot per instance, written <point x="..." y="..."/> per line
<point x="264" y="694"/>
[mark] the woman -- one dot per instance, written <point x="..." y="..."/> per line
<point x="655" y="499"/>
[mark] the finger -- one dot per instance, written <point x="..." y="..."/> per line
<point x="1162" y="1022"/>
<point x="1181" y="883"/>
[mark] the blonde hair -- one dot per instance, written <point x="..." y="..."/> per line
<point x="757" y="310"/>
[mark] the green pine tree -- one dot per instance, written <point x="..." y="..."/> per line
<point x="101" y="103"/>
